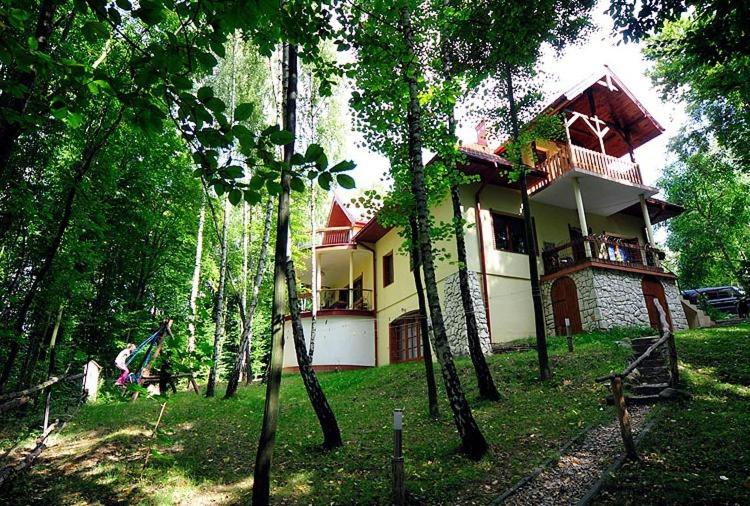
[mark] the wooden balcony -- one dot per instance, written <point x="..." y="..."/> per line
<point x="602" y="251"/>
<point x="334" y="236"/>
<point x="358" y="299"/>
<point x="572" y="157"/>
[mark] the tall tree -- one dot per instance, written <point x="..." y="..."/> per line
<point x="219" y="306"/>
<point x="246" y="338"/>
<point x="196" y="279"/>
<point x="472" y="439"/>
<point x="712" y="235"/>
<point x="432" y="401"/>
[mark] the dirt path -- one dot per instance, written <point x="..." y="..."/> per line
<point x="567" y="481"/>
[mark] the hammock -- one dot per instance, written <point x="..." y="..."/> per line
<point x="148" y="344"/>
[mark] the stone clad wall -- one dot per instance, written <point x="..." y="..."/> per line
<point x="672" y="293"/>
<point x="610" y="298"/>
<point x="620" y="298"/>
<point x="455" y="319"/>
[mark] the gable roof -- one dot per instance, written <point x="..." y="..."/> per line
<point x="613" y="103"/>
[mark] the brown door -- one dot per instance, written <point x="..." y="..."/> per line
<point x="565" y="305"/>
<point x="653" y="289"/>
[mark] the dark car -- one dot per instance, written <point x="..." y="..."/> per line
<point x="723" y="298"/>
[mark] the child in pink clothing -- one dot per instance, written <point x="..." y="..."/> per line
<point x="122" y="363"/>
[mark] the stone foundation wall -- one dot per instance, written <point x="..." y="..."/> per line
<point x="455" y="318"/>
<point x="610" y="298"/>
<point x="672" y="293"/>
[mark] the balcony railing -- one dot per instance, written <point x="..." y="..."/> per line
<point x="340" y="298"/>
<point x="602" y="250"/>
<point x="571" y="156"/>
<point x="333" y="236"/>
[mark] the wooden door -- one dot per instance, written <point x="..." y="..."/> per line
<point x="565" y="305"/>
<point x="653" y="289"/>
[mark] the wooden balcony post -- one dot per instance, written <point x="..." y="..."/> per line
<point x="351" y="279"/>
<point x="581" y="215"/>
<point x="647" y="221"/>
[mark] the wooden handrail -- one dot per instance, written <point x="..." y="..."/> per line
<point x="40" y="386"/>
<point x="635" y="363"/>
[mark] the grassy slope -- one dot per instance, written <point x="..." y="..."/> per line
<point x="694" y="445"/>
<point x="98" y="458"/>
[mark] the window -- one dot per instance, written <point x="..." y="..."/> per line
<point x="509" y="233"/>
<point x="388" y="269"/>
<point x="406" y="338"/>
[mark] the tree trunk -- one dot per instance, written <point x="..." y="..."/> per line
<point x="263" y="458"/>
<point x="328" y="423"/>
<point x="219" y="309"/>
<point x="536" y="293"/>
<point x="314" y="270"/>
<point x="432" y="403"/>
<point x="10" y="129"/>
<point x="487" y="388"/>
<point x="473" y="442"/>
<point x="241" y="361"/>
<point x="196" y="276"/>
<point x="51" y="363"/>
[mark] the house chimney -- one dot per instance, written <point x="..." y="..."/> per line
<point x="481" y="129"/>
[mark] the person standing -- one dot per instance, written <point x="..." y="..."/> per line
<point x="122" y="363"/>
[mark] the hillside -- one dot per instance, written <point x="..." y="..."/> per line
<point x="207" y="451"/>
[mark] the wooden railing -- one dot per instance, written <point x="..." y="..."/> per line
<point x="339" y="298"/>
<point x="571" y="156"/>
<point x="613" y="168"/>
<point x="601" y="249"/>
<point x="333" y="236"/>
<point x="616" y="379"/>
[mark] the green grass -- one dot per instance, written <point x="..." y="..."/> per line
<point x="698" y="452"/>
<point x="99" y="456"/>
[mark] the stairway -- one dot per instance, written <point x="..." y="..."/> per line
<point x="650" y="381"/>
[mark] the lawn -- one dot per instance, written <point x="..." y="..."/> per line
<point x="211" y="447"/>
<point x="698" y="452"/>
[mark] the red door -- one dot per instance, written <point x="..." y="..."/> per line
<point x="653" y="289"/>
<point x="565" y="305"/>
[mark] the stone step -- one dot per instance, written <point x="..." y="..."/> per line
<point x="649" y="388"/>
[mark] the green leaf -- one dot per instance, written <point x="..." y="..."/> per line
<point x="234" y="172"/>
<point x="345" y="181"/>
<point x="297" y="185"/>
<point x="281" y="137"/>
<point x="325" y="181"/>
<point x="343" y="166"/>
<point x="322" y="162"/>
<point x="273" y="187"/>
<point x="216" y="105"/>
<point x="313" y="152"/>
<point x="243" y="112"/>
<point x="235" y="196"/>
<point x="252" y="197"/>
<point x="204" y="93"/>
<point x="74" y="119"/>
<point x="297" y="159"/>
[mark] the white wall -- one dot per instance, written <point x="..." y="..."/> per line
<point x="339" y="341"/>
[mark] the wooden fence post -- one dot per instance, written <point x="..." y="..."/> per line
<point x="569" y="335"/>
<point x="671" y="345"/>
<point x="623" y="417"/>
<point x="397" y="463"/>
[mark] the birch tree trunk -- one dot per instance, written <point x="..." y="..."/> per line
<point x="487" y="388"/>
<point x="473" y="442"/>
<point x="264" y="455"/>
<point x="241" y="361"/>
<point x="536" y="293"/>
<point x="196" y="276"/>
<point x="219" y="308"/>
<point x="314" y="270"/>
<point x="326" y="418"/>
<point x="432" y="402"/>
